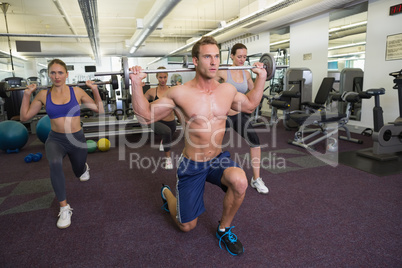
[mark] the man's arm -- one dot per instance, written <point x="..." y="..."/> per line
<point x="147" y="112"/>
<point x="247" y="103"/>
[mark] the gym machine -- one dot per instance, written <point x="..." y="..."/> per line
<point x="351" y="79"/>
<point x="298" y="81"/>
<point x="387" y="138"/>
<point x="12" y="100"/>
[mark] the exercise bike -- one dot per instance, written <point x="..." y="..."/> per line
<point x="387" y="138"/>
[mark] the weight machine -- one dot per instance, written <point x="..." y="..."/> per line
<point x="387" y="138"/>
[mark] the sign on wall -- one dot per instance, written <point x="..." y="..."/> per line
<point x="394" y="47"/>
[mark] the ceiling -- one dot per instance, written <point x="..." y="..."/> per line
<point x="63" y="30"/>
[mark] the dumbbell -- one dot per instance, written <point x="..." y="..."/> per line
<point x="33" y="157"/>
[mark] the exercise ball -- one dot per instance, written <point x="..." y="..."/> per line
<point x="104" y="144"/>
<point x="13" y="135"/>
<point x="91" y="144"/>
<point x="43" y="128"/>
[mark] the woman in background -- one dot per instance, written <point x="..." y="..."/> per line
<point x="167" y="126"/>
<point x="239" y="121"/>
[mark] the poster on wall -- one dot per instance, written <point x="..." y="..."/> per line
<point x="394" y="47"/>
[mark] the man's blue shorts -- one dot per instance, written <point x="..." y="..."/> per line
<point x="191" y="177"/>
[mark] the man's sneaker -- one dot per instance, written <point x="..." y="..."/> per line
<point x="168" y="163"/>
<point x="229" y="239"/>
<point x="259" y="185"/>
<point x="85" y="176"/>
<point x="64" y="217"/>
<point x="161" y="147"/>
<point x="165" y="204"/>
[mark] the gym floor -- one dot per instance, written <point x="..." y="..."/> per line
<point x="315" y="215"/>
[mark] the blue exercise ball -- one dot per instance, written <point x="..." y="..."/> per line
<point x="13" y="136"/>
<point x="43" y="128"/>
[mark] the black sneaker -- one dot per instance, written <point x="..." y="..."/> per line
<point x="232" y="244"/>
<point x="165" y="204"/>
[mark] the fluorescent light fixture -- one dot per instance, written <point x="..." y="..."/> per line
<point x="155" y="60"/>
<point x="347" y="26"/>
<point x="14" y="56"/>
<point x="345" y="55"/>
<point x="6" y="71"/>
<point x="354" y="25"/>
<point x="280" y="42"/>
<point x="348" y="45"/>
<point x="334" y="29"/>
<point x="344" y="59"/>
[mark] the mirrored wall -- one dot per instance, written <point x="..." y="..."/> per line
<point x="279" y="47"/>
<point x="346" y="51"/>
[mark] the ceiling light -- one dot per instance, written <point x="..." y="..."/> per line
<point x="14" y="56"/>
<point x="280" y="42"/>
<point x="155" y="60"/>
<point x="348" y="26"/>
<point x="343" y="59"/>
<point x="348" y="45"/>
<point x="346" y="54"/>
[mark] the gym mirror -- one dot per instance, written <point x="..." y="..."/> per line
<point x="346" y="51"/>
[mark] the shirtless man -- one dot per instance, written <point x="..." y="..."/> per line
<point x="204" y="104"/>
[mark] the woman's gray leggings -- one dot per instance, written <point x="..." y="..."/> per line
<point x="58" y="145"/>
<point x="166" y="129"/>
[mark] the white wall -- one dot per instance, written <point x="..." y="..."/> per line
<point x="310" y="37"/>
<point x="30" y="68"/>
<point x="259" y="45"/>
<point x="377" y="69"/>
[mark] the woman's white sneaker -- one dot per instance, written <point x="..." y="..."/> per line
<point x="259" y="185"/>
<point x="161" y="148"/>
<point x="85" y="176"/>
<point x="168" y="163"/>
<point x="64" y="217"/>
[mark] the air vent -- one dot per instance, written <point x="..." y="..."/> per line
<point x="28" y="46"/>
